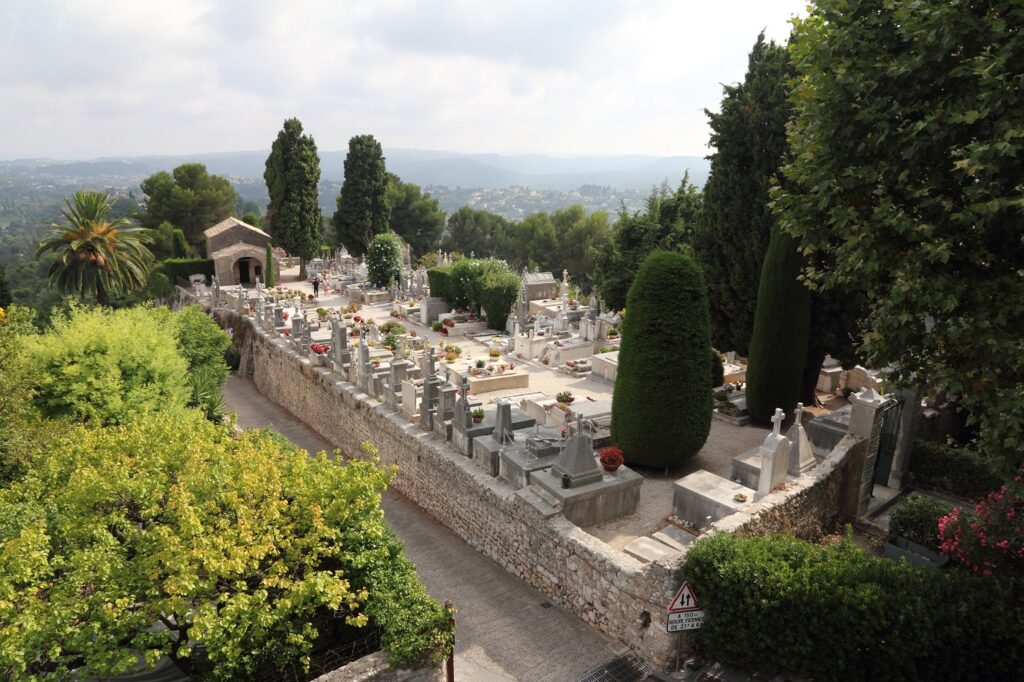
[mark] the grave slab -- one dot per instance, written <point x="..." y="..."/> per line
<point x="647" y="550"/>
<point x="675" y="537"/>
<point x="616" y="495"/>
<point x="746" y="468"/>
<point x="703" y="494"/>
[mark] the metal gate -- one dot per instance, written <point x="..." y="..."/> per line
<point x="892" y="410"/>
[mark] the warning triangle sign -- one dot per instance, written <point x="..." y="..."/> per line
<point x="685" y="600"/>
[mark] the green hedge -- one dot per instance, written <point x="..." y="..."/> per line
<point x="781" y="605"/>
<point x="960" y="471"/>
<point x="497" y="293"/>
<point x="661" y="405"/>
<point x="440" y="281"/>
<point x="183" y="267"/>
<point x="916" y="517"/>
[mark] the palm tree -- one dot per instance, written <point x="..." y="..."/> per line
<point x="96" y="255"/>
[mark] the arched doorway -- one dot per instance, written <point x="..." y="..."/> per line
<point x="248" y="270"/>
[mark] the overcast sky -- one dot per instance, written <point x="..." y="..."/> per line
<point x="80" y="79"/>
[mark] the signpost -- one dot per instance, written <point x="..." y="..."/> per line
<point x="684" y="612"/>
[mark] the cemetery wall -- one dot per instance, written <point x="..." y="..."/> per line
<point x="614" y="592"/>
<point x="809" y="506"/>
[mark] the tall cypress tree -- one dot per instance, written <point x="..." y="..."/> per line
<point x="292" y="175"/>
<point x="661" y="407"/>
<point x="749" y="136"/>
<point x="782" y="327"/>
<point x="363" y="209"/>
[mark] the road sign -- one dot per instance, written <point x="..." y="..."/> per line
<point x="685" y="600"/>
<point x="686" y="620"/>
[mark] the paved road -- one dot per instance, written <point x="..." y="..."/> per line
<point x="503" y="632"/>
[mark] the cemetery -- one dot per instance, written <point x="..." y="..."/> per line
<point x="497" y="433"/>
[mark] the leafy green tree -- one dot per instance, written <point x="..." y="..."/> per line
<point x="254" y="550"/>
<point x="497" y="291"/>
<point x="363" y="209"/>
<point x="189" y="198"/>
<point x="661" y="411"/>
<point x="96" y="256"/>
<point x="253" y="218"/>
<point x="906" y="180"/>
<point x="292" y="175"/>
<point x="5" y="288"/>
<point x="749" y="138"/>
<point x="415" y="216"/>
<point x="472" y="231"/>
<point x="782" y="326"/>
<point x="665" y="223"/>
<point x="19" y="429"/>
<point x="384" y="259"/>
<point x="107" y="366"/>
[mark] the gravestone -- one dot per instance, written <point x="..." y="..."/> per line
<point x="801" y="456"/>
<point x="431" y="384"/>
<point x="774" y="457"/>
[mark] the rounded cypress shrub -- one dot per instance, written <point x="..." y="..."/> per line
<point x="782" y="327"/>
<point x="384" y="259"/>
<point x="661" y="410"/>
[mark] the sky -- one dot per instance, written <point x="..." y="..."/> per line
<point x="91" y="78"/>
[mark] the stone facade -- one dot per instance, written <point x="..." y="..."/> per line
<point x="621" y="596"/>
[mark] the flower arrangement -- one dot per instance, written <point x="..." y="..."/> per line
<point x="412" y="333"/>
<point x="480" y="364"/>
<point x="319" y="348"/>
<point x="357" y="318"/>
<point x="478" y="415"/>
<point x="565" y="397"/>
<point x="354" y="332"/>
<point x="450" y="357"/>
<point x="611" y="457"/>
<point x="494" y="353"/>
<point x="284" y="315"/>
<point x="286" y="332"/>
<point x="449" y="322"/>
<point x="444" y="331"/>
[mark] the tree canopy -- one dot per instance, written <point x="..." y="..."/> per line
<point x="363" y="208"/>
<point x="97" y="255"/>
<point x="189" y="198"/>
<point x="254" y="550"/>
<point x="384" y="259"/>
<point x="292" y="175"/>
<point x="665" y="223"/>
<point x="415" y="216"/>
<point x="749" y="138"/>
<point x="473" y="231"/>
<point x="905" y="179"/>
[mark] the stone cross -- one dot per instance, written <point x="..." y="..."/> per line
<point x="777" y="421"/>
<point x="431" y="369"/>
<point x="798" y="414"/>
<point x="774" y="457"/>
<point x="801" y="456"/>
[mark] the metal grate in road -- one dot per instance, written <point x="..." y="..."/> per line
<point x="626" y="668"/>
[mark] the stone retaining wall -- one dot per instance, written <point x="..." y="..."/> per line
<point x="614" y="592"/>
<point x="619" y="595"/>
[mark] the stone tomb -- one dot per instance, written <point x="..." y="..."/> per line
<point x="826" y="430"/>
<point x="521" y="459"/>
<point x="772" y="457"/>
<point x="586" y="494"/>
<point x="487" y="449"/>
<point x="703" y="495"/>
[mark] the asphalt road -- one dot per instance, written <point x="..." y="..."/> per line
<point x="502" y="630"/>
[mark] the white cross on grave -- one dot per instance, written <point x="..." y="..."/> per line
<point x="777" y="421"/>
<point x="774" y="457"/>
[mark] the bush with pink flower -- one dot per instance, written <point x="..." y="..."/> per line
<point x="989" y="541"/>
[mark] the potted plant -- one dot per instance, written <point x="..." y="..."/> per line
<point x="494" y="353"/>
<point x="322" y="312"/>
<point x="480" y="364"/>
<point x="437" y="326"/>
<point x="478" y="415"/>
<point x="565" y="397"/>
<point x="611" y="457"/>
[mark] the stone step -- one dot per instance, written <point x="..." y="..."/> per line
<point x="675" y="537"/>
<point x="647" y="550"/>
<point x="546" y="507"/>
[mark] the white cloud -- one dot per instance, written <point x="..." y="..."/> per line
<point x="89" y="78"/>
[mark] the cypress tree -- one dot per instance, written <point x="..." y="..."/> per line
<point x="661" y="410"/>
<point x="292" y="174"/>
<point x="778" y="347"/>
<point x="363" y="209"/>
<point x="749" y="137"/>
<point x="270" y="279"/>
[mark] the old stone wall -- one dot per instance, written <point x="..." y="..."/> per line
<point x="607" y="588"/>
<point x="619" y="595"/>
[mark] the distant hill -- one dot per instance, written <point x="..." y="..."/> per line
<point x="423" y="167"/>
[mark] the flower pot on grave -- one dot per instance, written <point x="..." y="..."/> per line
<point x="610" y="466"/>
